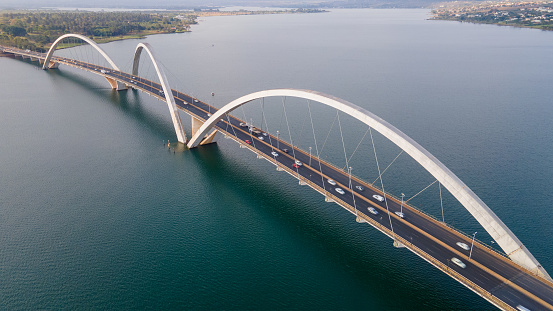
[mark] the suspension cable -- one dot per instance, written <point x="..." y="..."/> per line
<point x="441" y="202"/>
<point x="342" y="137"/>
<point x="382" y="184"/>
<point x="290" y="134"/>
<point x="384" y="171"/>
<point x="316" y="147"/>
<point x="266" y="125"/>
<point x="359" y="144"/>
<point x="327" y="135"/>
<point x="301" y="131"/>
<point x="421" y="191"/>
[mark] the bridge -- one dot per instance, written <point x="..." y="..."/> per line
<point x="514" y="280"/>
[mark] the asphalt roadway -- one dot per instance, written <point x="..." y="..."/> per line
<point x="489" y="270"/>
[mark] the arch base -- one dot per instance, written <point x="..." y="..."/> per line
<point x="116" y="85"/>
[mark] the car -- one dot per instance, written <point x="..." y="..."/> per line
<point x="134" y="77"/>
<point x="372" y="210"/>
<point x="332" y="182"/>
<point x="195" y="100"/>
<point x="265" y="134"/>
<point x="522" y="308"/>
<point x="298" y="163"/>
<point x="378" y="197"/>
<point x="360" y="188"/>
<point x="463" y="245"/>
<point x="261" y="138"/>
<point x="274" y="154"/>
<point x="340" y="191"/>
<point x="458" y="262"/>
<point x="247" y="141"/>
<point x="285" y="150"/>
<point x="209" y="114"/>
<point x="242" y="124"/>
<point x="400" y="214"/>
<point x="295" y="165"/>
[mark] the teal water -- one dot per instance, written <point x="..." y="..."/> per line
<point x="96" y="214"/>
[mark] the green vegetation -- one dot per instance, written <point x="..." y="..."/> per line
<point x="37" y="30"/>
<point x="535" y="14"/>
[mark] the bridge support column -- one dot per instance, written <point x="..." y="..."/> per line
<point x="116" y="85"/>
<point x="398" y="244"/>
<point x="53" y="65"/>
<point x="208" y="139"/>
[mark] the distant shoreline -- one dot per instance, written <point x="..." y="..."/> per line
<point x="37" y="30"/>
<point x="524" y="14"/>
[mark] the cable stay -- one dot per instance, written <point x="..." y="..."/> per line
<point x="359" y="144"/>
<point x="421" y="191"/>
<point x="301" y="131"/>
<point x="327" y="135"/>
<point x="380" y="175"/>
<point x="316" y="146"/>
<point x="342" y="137"/>
<point x="289" y="133"/>
<point x="441" y="202"/>
<point x="382" y="185"/>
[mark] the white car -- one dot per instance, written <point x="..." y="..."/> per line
<point x="243" y="124"/>
<point x="332" y="182"/>
<point x="378" y="197"/>
<point x="261" y="138"/>
<point x="298" y="163"/>
<point x="463" y="246"/>
<point x="458" y="262"/>
<point x="274" y="154"/>
<point x="400" y="214"/>
<point x="372" y="210"/>
<point x="340" y="191"/>
<point x="522" y="308"/>
<point x="195" y="100"/>
<point x="264" y="134"/>
<point x="360" y="188"/>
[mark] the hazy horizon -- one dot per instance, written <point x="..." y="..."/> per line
<point x="182" y="4"/>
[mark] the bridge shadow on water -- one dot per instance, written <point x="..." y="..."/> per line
<point x="129" y="101"/>
<point x="323" y="229"/>
<point x="326" y="230"/>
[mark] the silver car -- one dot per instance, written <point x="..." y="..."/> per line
<point x="372" y="210"/>
<point x="340" y="191"/>
<point x="332" y="182"/>
<point x="458" y="262"/>
<point x="378" y="197"/>
<point x="463" y="245"/>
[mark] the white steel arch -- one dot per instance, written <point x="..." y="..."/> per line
<point x="47" y="64"/>
<point x="177" y="123"/>
<point x="504" y="237"/>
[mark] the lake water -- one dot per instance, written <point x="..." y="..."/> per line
<point x="96" y="214"/>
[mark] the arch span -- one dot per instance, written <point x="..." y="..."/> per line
<point x="48" y="64"/>
<point x="177" y="123"/>
<point x="504" y="237"/>
<point x="47" y="61"/>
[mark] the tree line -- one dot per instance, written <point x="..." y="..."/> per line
<point x="37" y="30"/>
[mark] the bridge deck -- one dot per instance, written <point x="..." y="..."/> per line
<point x="488" y="273"/>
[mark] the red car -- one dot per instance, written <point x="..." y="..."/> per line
<point x="295" y="165"/>
<point x="248" y="141"/>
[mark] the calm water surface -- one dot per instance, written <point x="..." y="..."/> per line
<point x="96" y="214"/>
